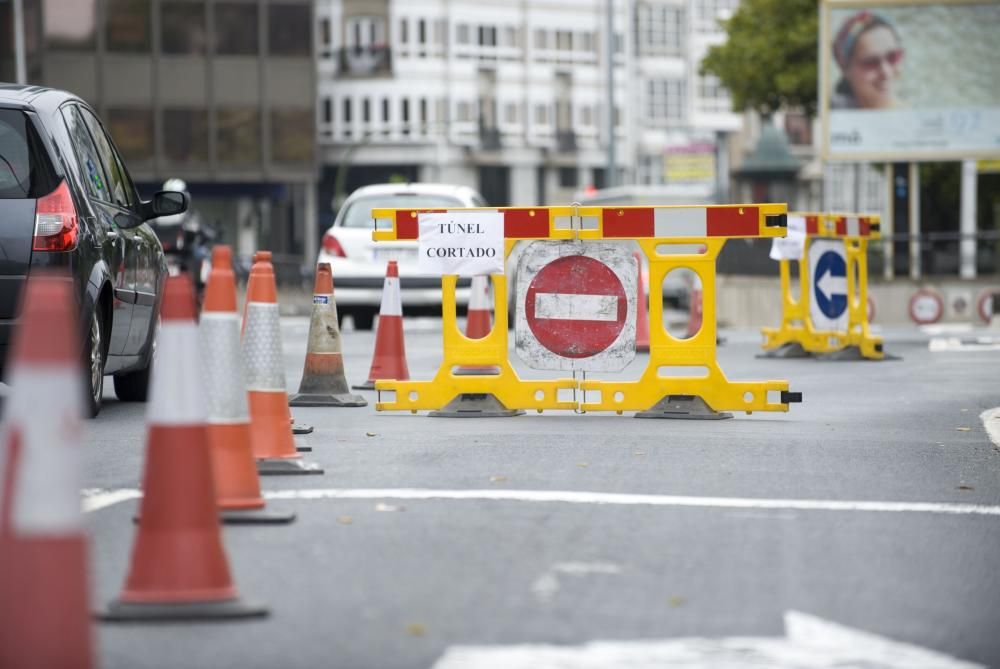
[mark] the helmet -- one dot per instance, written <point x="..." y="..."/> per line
<point x="175" y="184"/>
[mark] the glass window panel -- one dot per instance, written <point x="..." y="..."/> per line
<point x="132" y="130"/>
<point x="127" y="26"/>
<point x="289" y="30"/>
<point x="183" y="28"/>
<point x="120" y="184"/>
<point x="86" y="153"/>
<point x="236" y="29"/>
<point x="70" y="26"/>
<point x="238" y="136"/>
<point x="292" y="138"/>
<point x="185" y="135"/>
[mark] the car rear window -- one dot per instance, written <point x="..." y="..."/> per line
<point x="24" y="168"/>
<point x="359" y="212"/>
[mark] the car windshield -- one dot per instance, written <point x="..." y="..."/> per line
<point x="359" y="212"/>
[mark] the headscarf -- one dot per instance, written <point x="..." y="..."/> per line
<point x="852" y="29"/>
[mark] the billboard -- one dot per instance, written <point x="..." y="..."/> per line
<point x="690" y="163"/>
<point x="906" y="80"/>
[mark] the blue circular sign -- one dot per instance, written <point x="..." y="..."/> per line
<point x="830" y="284"/>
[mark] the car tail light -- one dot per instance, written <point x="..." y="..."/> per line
<point x="332" y="246"/>
<point x="56" y="226"/>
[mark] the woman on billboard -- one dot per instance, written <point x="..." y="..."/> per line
<point x="869" y="53"/>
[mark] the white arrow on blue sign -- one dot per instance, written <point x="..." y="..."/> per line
<point x="828" y="280"/>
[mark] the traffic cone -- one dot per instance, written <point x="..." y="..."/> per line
<point x="478" y="323"/>
<point x="237" y="487"/>
<point x="323" y="381"/>
<point x="270" y="419"/>
<point x="389" y="360"/>
<point x="178" y="569"/>
<point x="642" y="310"/>
<point x="265" y="256"/>
<point x="44" y="610"/>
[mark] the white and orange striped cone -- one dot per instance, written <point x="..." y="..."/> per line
<point x="389" y="360"/>
<point x="323" y="381"/>
<point x="270" y="419"/>
<point x="259" y="256"/>
<point x="478" y="323"/>
<point x="642" y="309"/>
<point x="237" y="487"/>
<point x="44" y="610"/>
<point x="179" y="569"/>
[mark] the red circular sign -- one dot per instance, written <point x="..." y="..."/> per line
<point x="986" y="306"/>
<point x="926" y="307"/>
<point x="576" y="306"/>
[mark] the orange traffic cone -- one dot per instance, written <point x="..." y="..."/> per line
<point x="478" y="322"/>
<point x="323" y="381"/>
<point x="237" y="487"/>
<point x="270" y="419"/>
<point x="44" y="611"/>
<point x="265" y="256"/>
<point x="179" y="569"/>
<point x="642" y="309"/>
<point x="389" y="360"/>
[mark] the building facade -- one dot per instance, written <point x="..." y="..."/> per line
<point x="220" y="93"/>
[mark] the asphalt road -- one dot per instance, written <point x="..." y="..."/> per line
<point x="427" y="533"/>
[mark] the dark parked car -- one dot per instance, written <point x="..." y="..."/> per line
<point x="67" y="202"/>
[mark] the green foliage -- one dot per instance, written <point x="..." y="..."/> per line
<point x="769" y="60"/>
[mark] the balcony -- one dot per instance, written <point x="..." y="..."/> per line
<point x="366" y="61"/>
<point x="565" y="141"/>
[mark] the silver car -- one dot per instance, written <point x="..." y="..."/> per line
<point x="359" y="264"/>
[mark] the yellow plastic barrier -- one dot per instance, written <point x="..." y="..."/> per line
<point x="655" y="394"/>
<point x="797" y="336"/>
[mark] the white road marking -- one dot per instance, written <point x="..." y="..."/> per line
<point x="991" y="422"/>
<point x="977" y="344"/>
<point x="99" y="499"/>
<point x="546" y="586"/>
<point x="809" y="642"/>
<point x="574" y="307"/>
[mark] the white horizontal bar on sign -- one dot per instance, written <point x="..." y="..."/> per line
<point x="574" y="307"/>
<point x="680" y="221"/>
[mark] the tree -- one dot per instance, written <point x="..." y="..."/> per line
<point x="769" y="60"/>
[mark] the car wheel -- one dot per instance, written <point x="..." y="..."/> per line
<point x="133" y="386"/>
<point x="363" y="320"/>
<point x="94" y="359"/>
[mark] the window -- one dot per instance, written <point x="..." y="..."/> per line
<point x="660" y="29"/>
<point x="586" y="115"/>
<point x="347" y="111"/>
<point x="133" y="132"/>
<point x="423" y="110"/>
<point x="366" y="110"/>
<point x="19" y="164"/>
<point x="541" y="39"/>
<point x="405" y="115"/>
<point x="439" y="31"/>
<point x="185" y="135"/>
<point x="541" y="114"/>
<point x="564" y="40"/>
<point x="122" y="191"/>
<point x="404" y="32"/>
<point x="325" y="35"/>
<point x="292" y="135"/>
<point x="182" y="28"/>
<point x="327" y="110"/>
<point x="385" y="110"/>
<point x="712" y="97"/>
<point x="587" y="42"/>
<point x="365" y="31"/>
<point x="289" y="30"/>
<point x="238" y="136"/>
<point x="510" y="113"/>
<point x="510" y="34"/>
<point x="464" y="112"/>
<point x="86" y="153"/>
<point x="69" y="30"/>
<point x="422" y="31"/>
<point x="235" y="29"/>
<point x="127" y="26"/>
<point x="462" y="33"/>
<point x="666" y="100"/>
<point x="487" y="36"/>
<point x="569" y="177"/>
<point x="709" y="12"/>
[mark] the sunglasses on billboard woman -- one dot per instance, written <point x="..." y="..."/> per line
<point x="873" y="63"/>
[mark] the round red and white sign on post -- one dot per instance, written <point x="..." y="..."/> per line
<point x="576" y="306"/>
<point x="926" y="307"/>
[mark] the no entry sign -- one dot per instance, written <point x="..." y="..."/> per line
<point x="576" y="306"/>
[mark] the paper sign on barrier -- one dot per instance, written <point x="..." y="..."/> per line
<point x="792" y="246"/>
<point x="466" y="243"/>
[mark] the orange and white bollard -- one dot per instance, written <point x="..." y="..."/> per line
<point x="179" y="569"/>
<point x="389" y="360"/>
<point x="323" y="382"/>
<point x="44" y="594"/>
